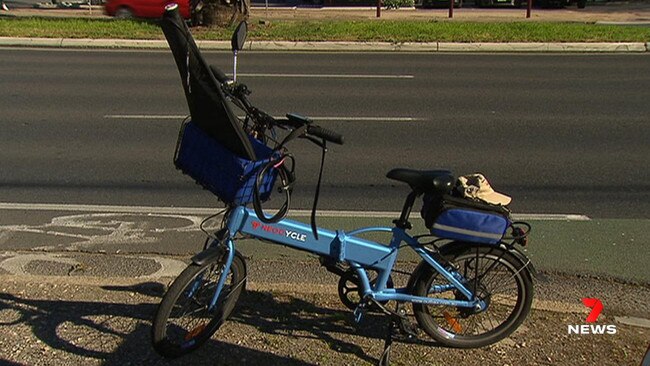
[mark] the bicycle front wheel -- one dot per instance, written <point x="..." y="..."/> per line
<point x="498" y="279"/>
<point x="184" y="321"/>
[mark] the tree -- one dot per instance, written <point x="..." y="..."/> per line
<point x="219" y="12"/>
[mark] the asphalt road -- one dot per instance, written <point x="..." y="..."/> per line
<point x="560" y="133"/>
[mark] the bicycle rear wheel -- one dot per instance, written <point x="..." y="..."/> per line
<point x="502" y="284"/>
<point x="183" y="322"/>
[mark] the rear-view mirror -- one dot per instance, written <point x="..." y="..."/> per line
<point x="239" y="37"/>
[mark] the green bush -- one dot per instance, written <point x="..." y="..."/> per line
<point x="396" y="4"/>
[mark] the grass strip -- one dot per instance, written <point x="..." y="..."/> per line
<point x="362" y="30"/>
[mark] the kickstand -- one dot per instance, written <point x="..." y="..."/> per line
<point x="385" y="356"/>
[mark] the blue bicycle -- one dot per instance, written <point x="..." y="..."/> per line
<point x="472" y="288"/>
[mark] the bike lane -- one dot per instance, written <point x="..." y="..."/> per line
<point x="571" y="244"/>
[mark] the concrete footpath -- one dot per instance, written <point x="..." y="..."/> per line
<point x="84" y="308"/>
<point x="619" y="13"/>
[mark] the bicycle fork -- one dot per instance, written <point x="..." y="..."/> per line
<point x="230" y="255"/>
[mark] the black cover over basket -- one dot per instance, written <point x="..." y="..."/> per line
<point x="207" y="104"/>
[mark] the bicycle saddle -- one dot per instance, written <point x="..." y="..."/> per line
<point x="426" y="181"/>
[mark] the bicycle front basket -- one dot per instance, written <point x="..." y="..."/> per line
<point x="230" y="177"/>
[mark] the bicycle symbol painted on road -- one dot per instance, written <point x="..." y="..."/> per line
<point x="86" y="230"/>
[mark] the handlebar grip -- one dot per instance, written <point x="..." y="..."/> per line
<point x="326" y="134"/>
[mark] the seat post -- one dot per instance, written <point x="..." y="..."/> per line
<point x="403" y="221"/>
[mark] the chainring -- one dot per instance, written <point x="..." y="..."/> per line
<point x="349" y="288"/>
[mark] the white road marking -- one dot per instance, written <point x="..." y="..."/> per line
<point x="144" y="116"/>
<point x="551" y="217"/>
<point x="321" y="118"/>
<point x="210" y="211"/>
<point x="107" y="227"/>
<point x="329" y="76"/>
<point x="369" y="119"/>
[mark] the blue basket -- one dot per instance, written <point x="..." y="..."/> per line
<point x="217" y="169"/>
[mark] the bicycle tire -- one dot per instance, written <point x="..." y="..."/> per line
<point x="183" y="323"/>
<point x="459" y="327"/>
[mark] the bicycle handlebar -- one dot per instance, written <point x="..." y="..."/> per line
<point x="326" y="134"/>
<point x="239" y="91"/>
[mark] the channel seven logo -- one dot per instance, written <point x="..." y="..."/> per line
<point x="596" y="307"/>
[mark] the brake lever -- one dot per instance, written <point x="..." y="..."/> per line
<point x="314" y="140"/>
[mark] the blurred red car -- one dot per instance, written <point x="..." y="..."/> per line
<point x="143" y="8"/>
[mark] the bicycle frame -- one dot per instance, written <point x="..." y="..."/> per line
<point x="359" y="253"/>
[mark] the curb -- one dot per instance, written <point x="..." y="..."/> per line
<point x="633" y="321"/>
<point x="336" y="46"/>
<point x="544" y="47"/>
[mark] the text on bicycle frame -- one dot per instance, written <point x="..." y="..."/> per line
<point x="279" y="231"/>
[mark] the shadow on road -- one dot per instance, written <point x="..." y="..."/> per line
<point x="118" y="333"/>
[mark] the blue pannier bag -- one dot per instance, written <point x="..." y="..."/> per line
<point x="230" y="177"/>
<point x="466" y="220"/>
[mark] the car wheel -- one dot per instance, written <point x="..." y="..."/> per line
<point x="124" y="13"/>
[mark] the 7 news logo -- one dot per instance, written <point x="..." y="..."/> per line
<point x="596" y="307"/>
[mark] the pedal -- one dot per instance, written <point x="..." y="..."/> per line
<point x="359" y="312"/>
